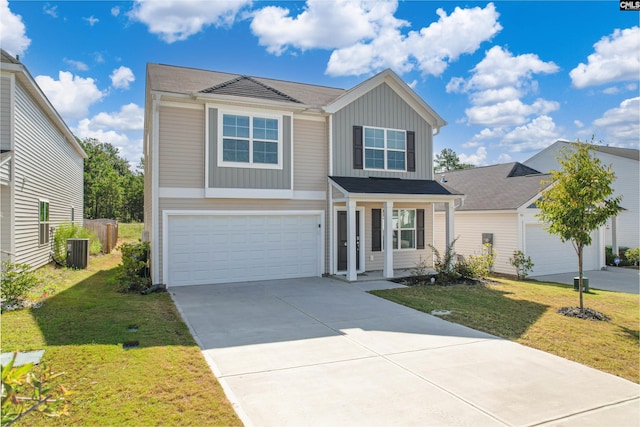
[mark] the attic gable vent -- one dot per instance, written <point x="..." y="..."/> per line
<point x="249" y="87"/>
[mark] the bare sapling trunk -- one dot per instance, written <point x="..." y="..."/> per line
<point x="580" y="276"/>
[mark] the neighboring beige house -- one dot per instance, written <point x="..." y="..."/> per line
<point x="41" y="168"/>
<point x="499" y="208"/>
<point x="624" y="230"/>
<point x="250" y="178"/>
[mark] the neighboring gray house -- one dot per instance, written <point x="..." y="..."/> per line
<point x="250" y="178"/>
<point x="624" y="230"/>
<point x="41" y="168"/>
<point x="499" y="208"/>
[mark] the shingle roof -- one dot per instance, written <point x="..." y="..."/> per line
<point x="374" y="185"/>
<point x="500" y="187"/>
<point x="6" y="58"/>
<point x="181" y="80"/>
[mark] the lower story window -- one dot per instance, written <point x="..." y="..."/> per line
<point x="404" y="228"/>
<point x="43" y="222"/>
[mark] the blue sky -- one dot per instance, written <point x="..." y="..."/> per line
<point x="509" y="77"/>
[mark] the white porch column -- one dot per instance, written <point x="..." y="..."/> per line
<point x="388" y="240"/>
<point x="614" y="236"/>
<point x="352" y="273"/>
<point x="449" y="228"/>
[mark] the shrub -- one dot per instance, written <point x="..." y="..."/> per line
<point x="522" y="264"/>
<point x="444" y="265"/>
<point x="482" y="265"/>
<point x="133" y="272"/>
<point x="73" y="231"/>
<point x="633" y="255"/>
<point x="17" y="280"/>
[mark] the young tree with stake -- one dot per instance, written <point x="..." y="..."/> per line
<point x="579" y="201"/>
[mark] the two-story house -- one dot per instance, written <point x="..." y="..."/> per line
<point x="41" y="168"/>
<point x="250" y="178"/>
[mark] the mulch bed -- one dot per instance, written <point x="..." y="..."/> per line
<point x="587" y="314"/>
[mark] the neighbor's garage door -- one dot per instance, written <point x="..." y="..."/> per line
<point x="206" y="249"/>
<point x="551" y="256"/>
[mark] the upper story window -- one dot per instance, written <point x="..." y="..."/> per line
<point x="385" y="149"/>
<point x="250" y="140"/>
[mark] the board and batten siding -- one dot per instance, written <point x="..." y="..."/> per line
<point x="238" y="177"/>
<point x="310" y="155"/>
<point x="235" y="205"/>
<point x="181" y="147"/>
<point x="381" y="107"/>
<point x="469" y="228"/>
<point x="46" y="167"/>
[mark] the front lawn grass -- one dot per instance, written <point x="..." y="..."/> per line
<point x="525" y="312"/>
<point x="82" y="326"/>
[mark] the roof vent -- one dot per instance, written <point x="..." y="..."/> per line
<point x="443" y="179"/>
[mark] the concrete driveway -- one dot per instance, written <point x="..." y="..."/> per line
<point x="616" y="279"/>
<point x="318" y="352"/>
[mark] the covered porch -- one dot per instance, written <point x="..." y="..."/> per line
<point x="366" y="213"/>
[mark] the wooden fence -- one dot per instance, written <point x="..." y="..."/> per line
<point x="107" y="231"/>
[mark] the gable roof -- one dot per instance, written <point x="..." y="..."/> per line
<point x="506" y="186"/>
<point x="192" y="81"/>
<point x="399" y="86"/>
<point x="249" y="87"/>
<point x="11" y="64"/>
<point x="627" y="153"/>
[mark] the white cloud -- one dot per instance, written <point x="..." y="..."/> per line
<point x="78" y="65"/>
<point x="497" y="85"/>
<point x="121" y="129"/>
<point x="479" y="158"/>
<point x="535" y="135"/>
<point x="175" y="20"/>
<point x="616" y="57"/>
<point x="322" y="24"/>
<point x="50" y="10"/>
<point x="92" y="20"/>
<point x="578" y="123"/>
<point x="429" y="50"/>
<point x="122" y="77"/>
<point x="621" y="125"/>
<point x="504" y="158"/>
<point x="12" y="31"/>
<point x="70" y="95"/>
<point x="115" y="11"/>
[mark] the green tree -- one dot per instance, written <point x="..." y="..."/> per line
<point x="579" y="199"/>
<point x="448" y="160"/>
<point x="111" y="189"/>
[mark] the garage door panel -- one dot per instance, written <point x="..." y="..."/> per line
<point x="205" y="249"/>
<point x="551" y="256"/>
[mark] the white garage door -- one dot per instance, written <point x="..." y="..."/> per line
<point x="206" y="249"/>
<point x="551" y="256"/>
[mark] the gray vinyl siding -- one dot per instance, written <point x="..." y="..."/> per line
<point x="5" y="222"/>
<point x="46" y="167"/>
<point x="235" y="177"/>
<point x="310" y="155"/>
<point x="237" y="205"/>
<point x="181" y="152"/>
<point x="381" y="107"/>
<point x="5" y="113"/>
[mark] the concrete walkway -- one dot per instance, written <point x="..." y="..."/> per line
<point x="616" y="279"/>
<point x="319" y="352"/>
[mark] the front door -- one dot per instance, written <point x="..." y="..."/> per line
<point x="342" y="240"/>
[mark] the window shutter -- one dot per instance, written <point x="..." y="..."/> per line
<point x="358" y="152"/>
<point x="411" y="151"/>
<point x="376" y="230"/>
<point x="419" y="228"/>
